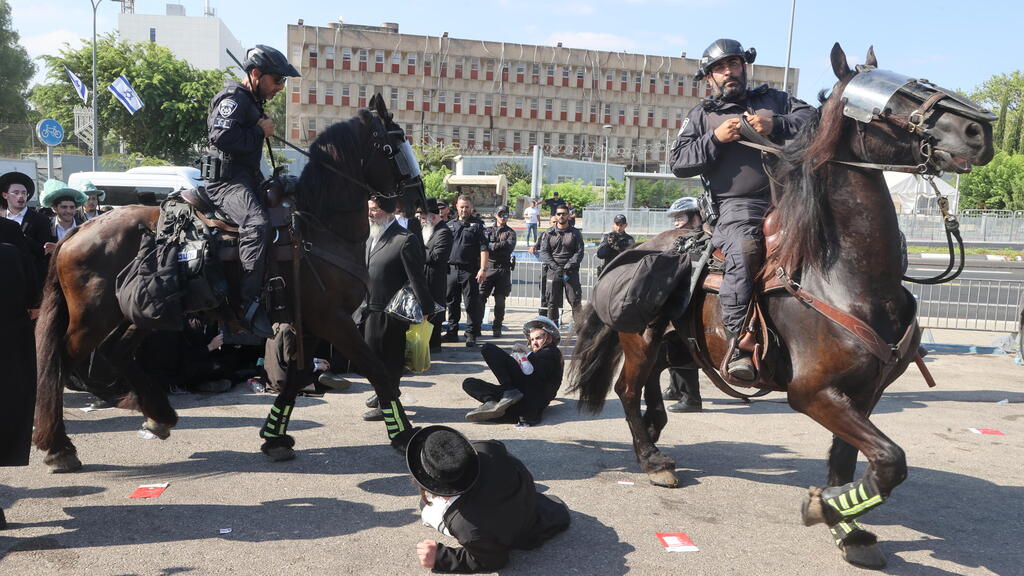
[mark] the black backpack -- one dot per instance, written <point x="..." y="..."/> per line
<point x="638" y="284"/>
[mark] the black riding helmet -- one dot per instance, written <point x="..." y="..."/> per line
<point x="719" y="50"/>
<point x="269" y="61"/>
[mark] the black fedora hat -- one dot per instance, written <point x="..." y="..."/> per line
<point x="442" y="461"/>
<point x="17" y="178"/>
<point x="432" y="206"/>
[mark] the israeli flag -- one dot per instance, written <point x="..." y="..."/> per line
<point x="80" y="88"/>
<point x="125" y="94"/>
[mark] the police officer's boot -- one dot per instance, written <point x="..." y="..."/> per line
<point x="254" y="313"/>
<point x="740" y="366"/>
<point x="499" y="316"/>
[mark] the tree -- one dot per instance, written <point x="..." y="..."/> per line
<point x="434" y="156"/>
<point x="16" y="69"/>
<point x="513" y="171"/>
<point x="997" y="185"/>
<point x="576" y="193"/>
<point x="1004" y="93"/>
<point x="519" y="189"/>
<point x="433" y="182"/>
<point x="171" y="125"/>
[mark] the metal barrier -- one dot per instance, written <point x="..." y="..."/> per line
<point x="989" y="305"/>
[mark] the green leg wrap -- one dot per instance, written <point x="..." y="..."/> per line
<point x="852" y="500"/>
<point x="276" y="425"/>
<point x="395" y="418"/>
<point x="846" y="528"/>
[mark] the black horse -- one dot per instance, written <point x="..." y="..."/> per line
<point x="349" y="162"/>
<point x="840" y="240"/>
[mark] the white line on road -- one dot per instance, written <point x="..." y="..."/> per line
<point x="966" y="271"/>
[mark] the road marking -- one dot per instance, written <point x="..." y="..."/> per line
<point x="966" y="270"/>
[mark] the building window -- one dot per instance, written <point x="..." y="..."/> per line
<point x="152" y="34"/>
<point x="393" y="103"/>
<point x="472" y="100"/>
<point x="312" y="55"/>
<point x="488" y="100"/>
<point x="329" y="53"/>
<point x="411" y="60"/>
<point x="610" y="75"/>
<point x="474" y="68"/>
<point x="549" y="105"/>
<point x="456" y="134"/>
<point x="457" y="99"/>
<point x="532" y="139"/>
<point x="459" y="64"/>
<point x="547" y="140"/>
<point x="329" y="94"/>
<point x="535" y="73"/>
<point x="396" y="58"/>
<point x="312" y="94"/>
<point x="682" y="82"/>
<point x="471" y="136"/>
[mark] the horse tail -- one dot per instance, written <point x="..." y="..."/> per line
<point x="594" y="358"/>
<point x="51" y="328"/>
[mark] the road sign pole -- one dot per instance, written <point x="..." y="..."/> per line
<point x="49" y="162"/>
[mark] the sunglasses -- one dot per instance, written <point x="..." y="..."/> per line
<point x="561" y="213"/>
<point x="278" y="79"/>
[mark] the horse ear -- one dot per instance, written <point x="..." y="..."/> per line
<point x="377" y="105"/>
<point x="839" y="65"/>
<point x="870" y="60"/>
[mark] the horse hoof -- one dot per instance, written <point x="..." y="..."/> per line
<point x="863" y="555"/>
<point x="279" y="453"/>
<point x="63" y="462"/>
<point x="811" y="508"/>
<point x="664" y="478"/>
<point x="153" y="429"/>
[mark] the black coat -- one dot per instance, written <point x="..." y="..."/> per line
<point x="395" y="260"/>
<point x="439" y="249"/>
<point x="501" y="512"/>
<point x="17" y="349"/>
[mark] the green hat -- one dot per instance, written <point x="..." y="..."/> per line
<point x="55" y="190"/>
<point x="89" y="188"/>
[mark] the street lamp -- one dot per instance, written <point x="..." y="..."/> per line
<point x="607" y="128"/>
<point x="95" y="110"/>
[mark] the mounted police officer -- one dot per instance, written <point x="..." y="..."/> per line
<point x="501" y="243"/>
<point x="237" y="129"/>
<point x="734" y="174"/>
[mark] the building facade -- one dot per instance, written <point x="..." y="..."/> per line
<point x="202" y="41"/>
<point x="497" y="97"/>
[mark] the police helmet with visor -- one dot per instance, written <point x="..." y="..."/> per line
<point x="684" y="205"/>
<point x="720" y="50"/>
<point x="269" y="61"/>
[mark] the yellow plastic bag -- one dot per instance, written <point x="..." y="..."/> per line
<point x="417" y="346"/>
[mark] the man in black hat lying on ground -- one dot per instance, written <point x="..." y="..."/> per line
<point x="480" y="495"/>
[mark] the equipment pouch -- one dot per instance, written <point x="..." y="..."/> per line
<point x="211" y="168"/>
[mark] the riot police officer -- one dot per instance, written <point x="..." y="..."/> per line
<point x="501" y="243"/>
<point x="561" y="250"/>
<point x="237" y="129"/>
<point x="467" y="268"/>
<point x="615" y="242"/>
<point x="707" y="146"/>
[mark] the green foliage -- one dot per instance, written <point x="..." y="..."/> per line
<point x="171" y="125"/>
<point x="577" y="193"/>
<point x="16" y="69"/>
<point x="520" y="189"/>
<point x="433" y="157"/>
<point x="999" y="185"/>
<point x="661" y="193"/>
<point x="514" y="172"/>
<point x="274" y="109"/>
<point x="1004" y="94"/>
<point x="616" y="190"/>
<point x="433" y="182"/>
<point x="123" y="162"/>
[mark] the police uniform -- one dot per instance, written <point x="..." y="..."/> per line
<point x="613" y="244"/>
<point x="738" y="183"/>
<point x="237" y="142"/>
<point x="501" y="242"/>
<point x="468" y="241"/>
<point x="561" y="250"/>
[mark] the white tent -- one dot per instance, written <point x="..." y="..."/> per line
<point x="911" y="193"/>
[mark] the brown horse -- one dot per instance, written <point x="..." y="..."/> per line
<point x="80" y="316"/>
<point x="840" y="237"/>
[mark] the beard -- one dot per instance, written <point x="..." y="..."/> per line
<point x="427" y="231"/>
<point x="734" y="88"/>
<point x="378" y="226"/>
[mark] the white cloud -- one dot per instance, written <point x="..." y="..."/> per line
<point x="593" y="41"/>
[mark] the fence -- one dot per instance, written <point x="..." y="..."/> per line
<point x="989" y="305"/>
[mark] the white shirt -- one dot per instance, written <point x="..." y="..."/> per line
<point x="433" y="515"/>
<point x="61" y="231"/>
<point x="16" y="217"/>
<point x="532" y="215"/>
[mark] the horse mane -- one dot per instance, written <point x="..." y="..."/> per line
<point x="801" y="198"/>
<point x="321" y="190"/>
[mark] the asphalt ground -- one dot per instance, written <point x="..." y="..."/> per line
<point x="346" y="505"/>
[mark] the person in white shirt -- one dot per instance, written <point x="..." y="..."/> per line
<point x="63" y="200"/>
<point x="532" y="216"/>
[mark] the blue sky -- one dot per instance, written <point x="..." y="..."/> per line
<point x="955" y="44"/>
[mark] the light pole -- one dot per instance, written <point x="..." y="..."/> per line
<point x="606" y="129"/>
<point x="789" y="47"/>
<point x="95" y="110"/>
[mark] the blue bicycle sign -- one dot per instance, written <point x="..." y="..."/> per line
<point x="50" y="132"/>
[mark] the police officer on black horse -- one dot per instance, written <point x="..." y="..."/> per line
<point x="237" y="128"/>
<point x="734" y="174"/>
<point x="501" y="243"/>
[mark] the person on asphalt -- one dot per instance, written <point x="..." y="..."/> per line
<point x="480" y="495"/>
<point x="501" y="243"/>
<point x="237" y="128"/>
<point x="468" y="267"/>
<point x="615" y="242"/>
<point x="528" y="378"/>
<point x="707" y="145"/>
<point x="561" y="250"/>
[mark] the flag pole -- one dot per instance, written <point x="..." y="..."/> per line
<point x="95" y="110"/>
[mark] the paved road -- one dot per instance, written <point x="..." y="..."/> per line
<point x="347" y="506"/>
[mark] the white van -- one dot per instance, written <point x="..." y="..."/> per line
<point x="144" y="185"/>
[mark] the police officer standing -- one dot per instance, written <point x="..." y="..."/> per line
<point x="707" y="145"/>
<point x="237" y="129"/>
<point x="468" y="266"/>
<point x="501" y="243"/>
<point x="615" y="242"/>
<point x="561" y="250"/>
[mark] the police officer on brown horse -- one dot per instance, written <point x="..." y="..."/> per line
<point x="237" y="129"/>
<point x="734" y="174"/>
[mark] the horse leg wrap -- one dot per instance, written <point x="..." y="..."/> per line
<point x="395" y="418"/>
<point x="850" y="532"/>
<point x="852" y="500"/>
<point x="276" y="425"/>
